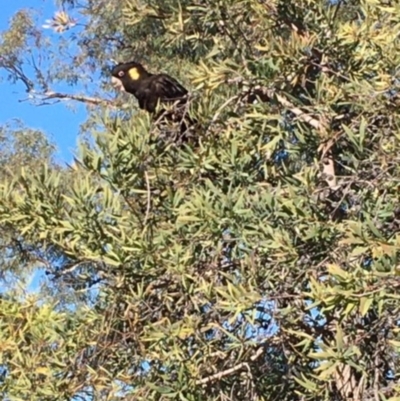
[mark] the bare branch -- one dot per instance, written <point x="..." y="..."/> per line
<point x="84" y="99"/>
<point x="148" y="200"/>
<point x="19" y="74"/>
<point x="228" y="372"/>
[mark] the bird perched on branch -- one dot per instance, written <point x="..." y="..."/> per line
<point x="152" y="89"/>
<point x="148" y="88"/>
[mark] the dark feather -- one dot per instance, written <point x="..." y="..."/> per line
<point x="149" y="89"/>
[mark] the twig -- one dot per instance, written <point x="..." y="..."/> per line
<point x="13" y="69"/>
<point x="376" y="377"/>
<point x="301" y="115"/>
<point x="84" y="99"/>
<point x="148" y="200"/>
<point x="220" y="109"/>
<point x="227" y="372"/>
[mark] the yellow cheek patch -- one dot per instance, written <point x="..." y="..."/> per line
<point x="134" y="73"/>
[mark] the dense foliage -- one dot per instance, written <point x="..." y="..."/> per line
<point x="254" y="261"/>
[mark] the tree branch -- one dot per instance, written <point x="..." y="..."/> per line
<point x="228" y="372"/>
<point x="265" y="94"/>
<point x="84" y="99"/>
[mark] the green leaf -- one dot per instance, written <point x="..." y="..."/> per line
<point x="365" y="305"/>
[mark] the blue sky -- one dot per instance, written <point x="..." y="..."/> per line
<point x="59" y="122"/>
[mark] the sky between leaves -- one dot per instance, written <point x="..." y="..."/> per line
<point x="58" y="121"/>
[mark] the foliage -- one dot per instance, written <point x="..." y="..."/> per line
<point x="43" y="351"/>
<point x="255" y="261"/>
<point x="20" y="148"/>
